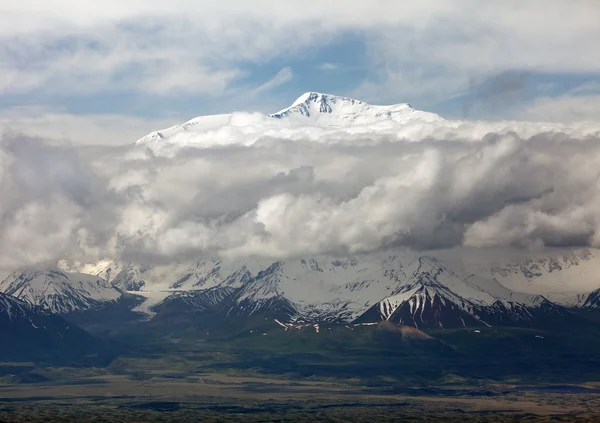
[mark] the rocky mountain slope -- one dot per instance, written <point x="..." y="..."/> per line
<point x="592" y="300"/>
<point x="28" y="332"/>
<point x="331" y="110"/>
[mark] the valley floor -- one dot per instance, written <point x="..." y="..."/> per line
<point x="334" y="373"/>
<point x="219" y="397"/>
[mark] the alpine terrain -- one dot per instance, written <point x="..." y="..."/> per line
<point x="439" y="289"/>
<point x="408" y="288"/>
<point x="58" y="291"/>
<point x="29" y="332"/>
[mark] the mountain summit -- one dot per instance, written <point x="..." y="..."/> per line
<point x="58" y="291"/>
<point x="332" y="110"/>
<point x="310" y="109"/>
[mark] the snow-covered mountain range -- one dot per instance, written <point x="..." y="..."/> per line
<point x="439" y="289"/>
<point x="564" y="276"/>
<point x="407" y="288"/>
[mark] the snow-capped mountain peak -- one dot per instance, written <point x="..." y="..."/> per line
<point x="320" y="109"/>
<point x="322" y="103"/>
<point x="309" y="110"/>
<point x="59" y="291"/>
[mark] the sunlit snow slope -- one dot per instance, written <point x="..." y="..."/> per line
<point x="59" y="291"/>
<point x="317" y="110"/>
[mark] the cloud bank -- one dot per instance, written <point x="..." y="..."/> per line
<point x="263" y="187"/>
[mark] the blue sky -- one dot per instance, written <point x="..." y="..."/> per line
<point x="150" y="64"/>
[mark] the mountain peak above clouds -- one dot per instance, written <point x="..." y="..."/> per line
<point x="322" y="103"/>
<point x="310" y="109"/>
<point x="322" y="109"/>
<point x="314" y="104"/>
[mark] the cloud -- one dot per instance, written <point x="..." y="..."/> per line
<point x="496" y="91"/>
<point x="268" y="187"/>
<point x="328" y="66"/>
<point x="61" y="126"/>
<point x="564" y="108"/>
<point x="587" y="88"/>
<point x="434" y="57"/>
<point x="53" y="204"/>
<point x="284" y="76"/>
<point x="427" y="49"/>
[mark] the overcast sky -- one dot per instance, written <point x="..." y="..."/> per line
<point x="111" y="71"/>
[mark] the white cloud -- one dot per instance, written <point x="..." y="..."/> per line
<point x="255" y="186"/>
<point x="278" y="189"/>
<point x="565" y="108"/>
<point x="87" y="129"/>
<point x="284" y="76"/>
<point x="328" y="66"/>
<point x="436" y="57"/>
<point x="587" y="88"/>
<point x="426" y="48"/>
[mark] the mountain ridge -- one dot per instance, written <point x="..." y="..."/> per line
<point x="58" y="291"/>
<point x="312" y="109"/>
<point x="406" y="288"/>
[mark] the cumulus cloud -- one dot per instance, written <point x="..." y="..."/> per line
<point x="52" y="203"/>
<point x="277" y="189"/>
